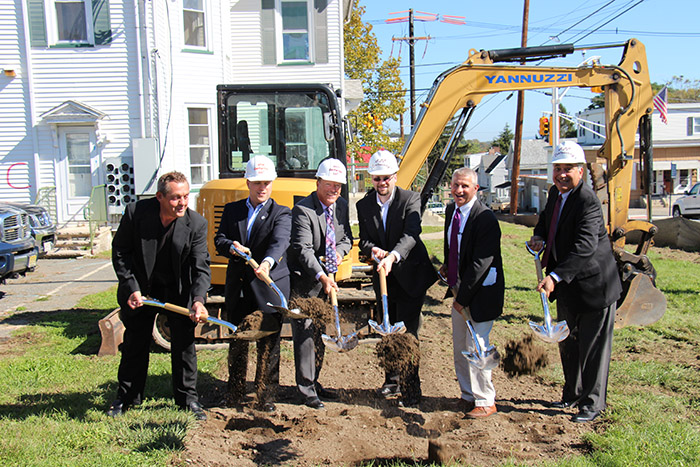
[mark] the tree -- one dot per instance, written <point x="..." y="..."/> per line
<point x="503" y="139"/>
<point x="679" y="88"/>
<point x="384" y="94"/>
<point x="566" y="128"/>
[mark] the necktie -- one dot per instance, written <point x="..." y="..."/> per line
<point x="331" y="258"/>
<point x="453" y="255"/>
<point x="552" y="231"/>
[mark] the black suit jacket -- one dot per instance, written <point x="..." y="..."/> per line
<point x="582" y="255"/>
<point x="309" y="240"/>
<point x="134" y="250"/>
<point x="415" y="273"/>
<point x="480" y="250"/>
<point x="269" y="236"/>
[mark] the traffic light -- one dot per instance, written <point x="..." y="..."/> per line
<point x="544" y="126"/>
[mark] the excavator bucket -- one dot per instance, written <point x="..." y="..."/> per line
<point x="112" y="331"/>
<point x="644" y="304"/>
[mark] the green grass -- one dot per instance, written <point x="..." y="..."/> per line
<point x="54" y="390"/>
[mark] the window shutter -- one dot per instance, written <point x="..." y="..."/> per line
<point x="690" y="126"/>
<point x="320" y="31"/>
<point x="37" y="24"/>
<point x="100" y="17"/>
<point x="267" y="29"/>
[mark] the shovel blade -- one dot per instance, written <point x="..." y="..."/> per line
<point x="490" y="360"/>
<point x="252" y="334"/>
<point x="557" y="333"/>
<point x="386" y="330"/>
<point x="294" y="313"/>
<point x="342" y="343"/>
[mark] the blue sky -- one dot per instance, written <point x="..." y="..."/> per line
<point x="669" y="29"/>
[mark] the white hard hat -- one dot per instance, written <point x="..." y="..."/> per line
<point x="260" y="168"/>
<point x="382" y="162"/>
<point x="332" y="170"/>
<point x="568" y="152"/>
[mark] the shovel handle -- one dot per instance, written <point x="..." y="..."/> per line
<point x="382" y="281"/>
<point x="176" y="308"/>
<point x="245" y="254"/>
<point x="333" y="294"/>
<point x="538" y="263"/>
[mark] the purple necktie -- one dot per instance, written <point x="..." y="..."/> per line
<point x="331" y="258"/>
<point x="552" y="231"/>
<point x="453" y="255"/>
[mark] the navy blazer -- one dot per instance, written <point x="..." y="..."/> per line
<point x="415" y="273"/>
<point x="582" y="255"/>
<point x="480" y="250"/>
<point x="135" y="246"/>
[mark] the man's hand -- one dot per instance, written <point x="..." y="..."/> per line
<point x="546" y="285"/>
<point x="379" y="253"/>
<point x="263" y="271"/>
<point x="386" y="263"/>
<point x="536" y="243"/>
<point x="135" y="300"/>
<point x="198" y="312"/>
<point x="443" y="270"/>
<point x="328" y="284"/>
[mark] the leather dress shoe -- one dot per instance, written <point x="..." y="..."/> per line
<point x="389" y="391"/>
<point x="585" y="415"/>
<point x="465" y="406"/>
<point x="197" y="410"/>
<point x="326" y="393"/>
<point x="562" y="404"/>
<point x="314" y="403"/>
<point x="267" y="407"/>
<point x="482" y="411"/>
<point x="117" y="408"/>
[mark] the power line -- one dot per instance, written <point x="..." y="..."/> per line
<point x="609" y="21"/>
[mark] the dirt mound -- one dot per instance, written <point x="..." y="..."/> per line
<point x="320" y="311"/>
<point x="398" y="353"/>
<point x="523" y="357"/>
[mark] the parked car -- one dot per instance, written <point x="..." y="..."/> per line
<point x="18" y="254"/>
<point x="688" y="205"/>
<point x="436" y="207"/>
<point x="680" y="189"/>
<point x="43" y="227"/>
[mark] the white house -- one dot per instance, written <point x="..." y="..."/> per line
<point x="676" y="145"/>
<point x="116" y="92"/>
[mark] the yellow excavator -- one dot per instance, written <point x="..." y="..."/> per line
<point x="297" y="126"/>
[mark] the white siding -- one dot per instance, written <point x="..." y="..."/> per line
<point x="246" y="54"/>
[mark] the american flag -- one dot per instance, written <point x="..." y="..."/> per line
<point x="660" y="105"/>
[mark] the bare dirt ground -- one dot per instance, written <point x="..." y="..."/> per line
<point x="363" y="427"/>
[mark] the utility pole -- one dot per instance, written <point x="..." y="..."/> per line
<point x="515" y="173"/>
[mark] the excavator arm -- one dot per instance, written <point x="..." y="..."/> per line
<point x="628" y="106"/>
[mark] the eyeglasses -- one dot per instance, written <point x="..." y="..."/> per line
<point x="382" y="179"/>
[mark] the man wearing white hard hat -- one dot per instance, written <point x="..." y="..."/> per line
<point x="320" y="228"/>
<point x="390" y="227"/>
<point x="582" y="276"/>
<point x="261" y="225"/>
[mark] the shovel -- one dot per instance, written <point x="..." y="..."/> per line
<point x="386" y="328"/>
<point x="283" y="308"/>
<point x="483" y="359"/>
<point x="551" y="331"/>
<point x="184" y="311"/>
<point x="339" y="343"/>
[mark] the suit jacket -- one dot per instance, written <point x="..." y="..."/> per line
<point x="480" y="250"/>
<point x="582" y="255"/>
<point x="415" y="273"/>
<point x="308" y="241"/>
<point x="134" y="250"/>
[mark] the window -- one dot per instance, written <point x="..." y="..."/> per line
<point x="200" y="149"/>
<point x="69" y="23"/>
<point x="193" y="19"/>
<point x="693" y="126"/>
<point x="294" y="32"/>
<point x="78" y="158"/>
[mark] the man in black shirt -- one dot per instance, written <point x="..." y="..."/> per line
<point x="160" y="250"/>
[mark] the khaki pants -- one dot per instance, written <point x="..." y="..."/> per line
<point x="475" y="384"/>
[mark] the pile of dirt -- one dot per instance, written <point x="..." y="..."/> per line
<point x="251" y="322"/>
<point x="398" y="353"/>
<point x="320" y="311"/>
<point x="523" y="357"/>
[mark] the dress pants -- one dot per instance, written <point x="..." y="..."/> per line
<point x="309" y="351"/>
<point x="475" y="384"/>
<point x="133" y="367"/>
<point x="585" y="355"/>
